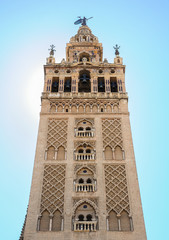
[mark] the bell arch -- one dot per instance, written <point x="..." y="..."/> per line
<point x="84" y="84"/>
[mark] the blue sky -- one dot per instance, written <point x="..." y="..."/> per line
<point x="141" y="29"/>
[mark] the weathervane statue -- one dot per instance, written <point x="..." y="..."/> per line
<point x="52" y="50"/>
<point x="116" y="47"/>
<point x="82" y="21"/>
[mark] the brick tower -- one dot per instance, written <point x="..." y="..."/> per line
<point x="84" y="183"/>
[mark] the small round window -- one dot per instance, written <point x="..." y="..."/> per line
<point x="68" y="71"/>
<point x="56" y="71"/>
<point x="84" y="171"/>
<point x="84" y="206"/>
<point x="100" y="71"/>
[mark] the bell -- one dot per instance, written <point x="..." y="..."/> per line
<point x="101" y="85"/>
<point x="113" y="86"/>
<point x="84" y="78"/>
<point x="55" y="84"/>
<point x="67" y="84"/>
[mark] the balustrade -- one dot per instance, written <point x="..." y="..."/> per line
<point x="85" y="226"/>
<point x="81" y="133"/>
<point x="88" y="187"/>
<point x="84" y="156"/>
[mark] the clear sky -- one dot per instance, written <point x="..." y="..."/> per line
<point x="141" y="28"/>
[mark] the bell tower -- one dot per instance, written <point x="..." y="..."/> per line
<point x="84" y="183"/>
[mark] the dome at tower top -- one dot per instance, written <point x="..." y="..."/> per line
<point x="84" y="34"/>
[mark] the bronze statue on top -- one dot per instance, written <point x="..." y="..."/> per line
<point x="116" y="47"/>
<point x="82" y="21"/>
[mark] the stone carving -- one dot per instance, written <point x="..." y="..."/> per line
<point x="91" y="167"/>
<point x="116" y="188"/>
<point x="92" y="201"/>
<point x="57" y="133"/>
<point x="112" y="133"/>
<point x="52" y="197"/>
<point x="79" y="106"/>
<point x="82" y="143"/>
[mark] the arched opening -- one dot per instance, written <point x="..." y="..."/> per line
<point x="88" y="150"/>
<point x="125" y="221"/>
<point x="80" y="151"/>
<point x="108" y="153"/>
<point x="56" y="221"/>
<point x="67" y="85"/>
<point x="89" y="217"/>
<point x="84" y="81"/>
<point x="81" y="180"/>
<point x="88" y="129"/>
<point x="113" y="221"/>
<point x="81" y="217"/>
<point x="44" y="222"/>
<point x="113" y="84"/>
<point x="118" y="153"/>
<point x="84" y="55"/>
<point x="51" y="153"/>
<point x="61" y="153"/>
<point x="85" y="178"/>
<point x="89" y="180"/>
<point x="80" y="129"/>
<point x="101" y="84"/>
<point x="55" y="84"/>
<point x="85" y="212"/>
<point x="112" y="70"/>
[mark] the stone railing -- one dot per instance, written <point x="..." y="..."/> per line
<point x="85" y="226"/>
<point x="88" y="187"/>
<point x="84" y="156"/>
<point x="84" y="133"/>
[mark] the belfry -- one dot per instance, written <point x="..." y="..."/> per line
<point x="84" y="183"/>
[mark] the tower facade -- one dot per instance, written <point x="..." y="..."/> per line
<point x="84" y="183"/>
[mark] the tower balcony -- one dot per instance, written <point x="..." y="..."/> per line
<point x="84" y="133"/>
<point x="85" y="226"/>
<point x="84" y="156"/>
<point x="89" y="187"/>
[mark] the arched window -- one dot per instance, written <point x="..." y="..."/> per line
<point x="125" y="221"/>
<point x="101" y="84"/>
<point x="84" y="55"/>
<point x="67" y="85"/>
<point x="81" y="180"/>
<point x="55" y="84"/>
<point x="88" y="150"/>
<point x="84" y="81"/>
<point x="118" y="153"/>
<point x="61" y="153"/>
<point x="51" y="153"/>
<point x="89" y="180"/>
<point x="113" y="221"/>
<point x="44" y="222"/>
<point x="113" y="84"/>
<point x="89" y="217"/>
<point x="81" y="217"/>
<point x="56" y="221"/>
<point x="108" y="153"/>
<point x="80" y="151"/>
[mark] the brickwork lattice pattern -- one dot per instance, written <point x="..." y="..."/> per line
<point x="112" y="133"/>
<point x="117" y="198"/>
<point x="57" y="133"/>
<point x="53" y="188"/>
